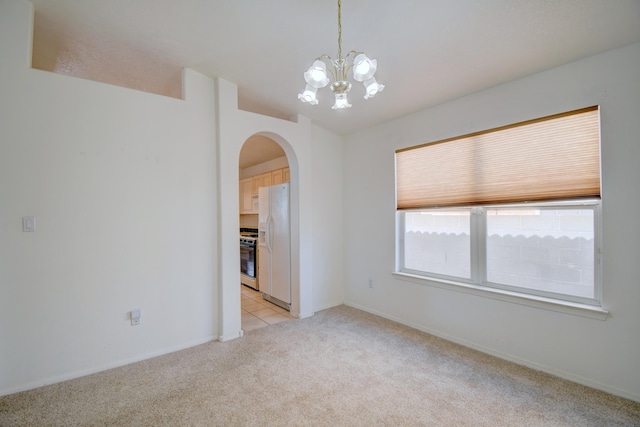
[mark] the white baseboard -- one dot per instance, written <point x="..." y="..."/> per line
<point x="326" y="306"/>
<point x="95" y="370"/>
<point x="229" y="337"/>
<point x="505" y="356"/>
<point x="315" y="310"/>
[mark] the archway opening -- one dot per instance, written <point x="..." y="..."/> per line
<point x="267" y="232"/>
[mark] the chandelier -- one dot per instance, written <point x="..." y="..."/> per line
<point x="363" y="70"/>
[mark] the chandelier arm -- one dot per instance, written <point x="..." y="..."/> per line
<point x="334" y="73"/>
<point x="347" y="69"/>
<point x="350" y="65"/>
<point x="329" y="61"/>
<point x="354" y="53"/>
<point x="339" y="67"/>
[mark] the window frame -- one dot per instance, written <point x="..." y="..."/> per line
<point x="478" y="257"/>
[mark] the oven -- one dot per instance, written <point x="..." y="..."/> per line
<point x="249" y="261"/>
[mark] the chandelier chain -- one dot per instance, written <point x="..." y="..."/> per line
<point x="339" y="29"/>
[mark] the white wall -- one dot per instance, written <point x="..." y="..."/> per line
<point x="602" y="354"/>
<point x="328" y="254"/>
<point x="123" y="187"/>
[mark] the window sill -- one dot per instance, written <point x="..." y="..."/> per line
<point x="576" y="309"/>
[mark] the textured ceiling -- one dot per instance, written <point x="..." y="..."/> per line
<point x="428" y="52"/>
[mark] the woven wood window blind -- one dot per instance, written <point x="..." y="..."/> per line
<point x="551" y="158"/>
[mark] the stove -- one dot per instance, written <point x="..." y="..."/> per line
<point x="248" y="241"/>
<point x="249" y="257"/>
<point x="249" y="232"/>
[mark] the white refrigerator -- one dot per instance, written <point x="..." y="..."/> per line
<point x="274" y="241"/>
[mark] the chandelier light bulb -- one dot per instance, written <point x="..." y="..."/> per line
<point x="372" y="87"/>
<point x="309" y="95"/>
<point x="342" y="102"/>
<point x="316" y="75"/>
<point x="363" y="67"/>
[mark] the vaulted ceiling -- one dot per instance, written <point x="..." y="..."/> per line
<point x="428" y="51"/>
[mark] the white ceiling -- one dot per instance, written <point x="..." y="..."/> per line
<point x="428" y="51"/>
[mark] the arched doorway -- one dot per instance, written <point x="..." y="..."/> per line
<point x="295" y="138"/>
<point x="264" y="172"/>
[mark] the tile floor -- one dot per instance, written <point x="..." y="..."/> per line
<point x="257" y="312"/>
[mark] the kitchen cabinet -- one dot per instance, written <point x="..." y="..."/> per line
<point x="248" y="201"/>
<point x="276" y="177"/>
<point x="256" y="183"/>
<point x="265" y="179"/>
<point x="249" y="188"/>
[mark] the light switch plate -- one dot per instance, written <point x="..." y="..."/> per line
<point x="135" y="317"/>
<point x="28" y="224"/>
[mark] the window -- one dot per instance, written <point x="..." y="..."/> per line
<point x="515" y="209"/>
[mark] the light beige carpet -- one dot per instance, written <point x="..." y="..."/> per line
<point x="342" y="367"/>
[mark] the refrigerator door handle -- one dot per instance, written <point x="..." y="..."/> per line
<point x="266" y="234"/>
<point x="269" y="233"/>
